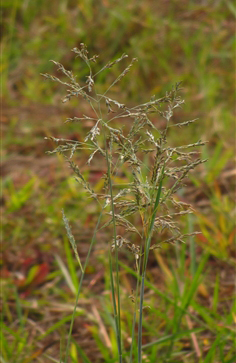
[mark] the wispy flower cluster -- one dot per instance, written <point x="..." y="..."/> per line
<point x="133" y="147"/>
<point x="143" y="172"/>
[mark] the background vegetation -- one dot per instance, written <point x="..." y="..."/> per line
<point x="173" y="40"/>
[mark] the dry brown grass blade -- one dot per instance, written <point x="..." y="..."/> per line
<point x="193" y="337"/>
<point x="102" y="327"/>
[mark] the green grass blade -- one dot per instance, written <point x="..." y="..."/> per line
<point x="186" y="299"/>
<point x="207" y="316"/>
<point x="211" y="353"/>
<point x="5" y="348"/>
<point x="80" y="285"/>
<point x="171" y="337"/>
<point x="114" y="300"/>
<point x="81" y="352"/>
<point x="59" y="323"/>
<point x="189" y="291"/>
<point x="164" y="296"/>
<point x="66" y="274"/>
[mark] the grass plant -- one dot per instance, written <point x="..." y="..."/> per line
<point x="191" y="41"/>
<point x="129" y="137"/>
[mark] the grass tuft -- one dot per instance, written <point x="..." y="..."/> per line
<point x="129" y="137"/>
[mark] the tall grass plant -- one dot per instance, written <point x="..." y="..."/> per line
<point x="139" y="207"/>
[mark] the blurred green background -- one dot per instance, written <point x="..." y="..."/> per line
<point x="173" y="40"/>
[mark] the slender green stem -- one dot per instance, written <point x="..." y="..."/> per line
<point x="115" y="290"/>
<point x="145" y="260"/>
<point x="116" y="267"/>
<point x="114" y="300"/>
<point x="140" y="320"/>
<point x="135" y="308"/>
<point x="80" y="285"/>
